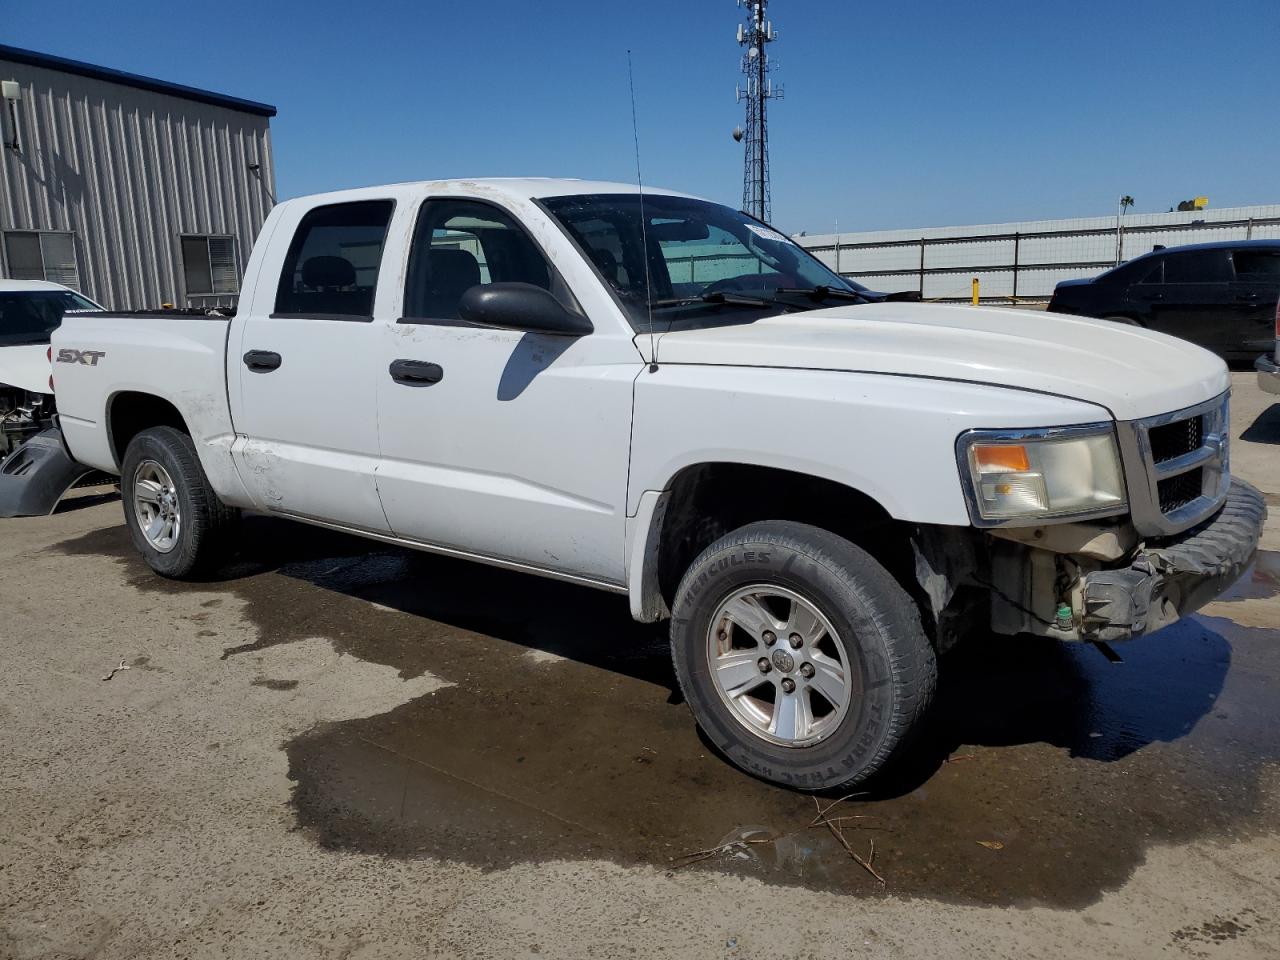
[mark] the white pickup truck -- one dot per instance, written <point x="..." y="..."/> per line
<point x="659" y="396"/>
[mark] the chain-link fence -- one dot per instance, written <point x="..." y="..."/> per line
<point x="1023" y="261"/>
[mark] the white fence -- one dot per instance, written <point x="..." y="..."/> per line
<point x="1023" y="261"/>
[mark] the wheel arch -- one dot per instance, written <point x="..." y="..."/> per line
<point x="703" y="501"/>
<point x="129" y="412"/>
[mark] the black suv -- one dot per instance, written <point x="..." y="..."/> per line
<point x="1219" y="295"/>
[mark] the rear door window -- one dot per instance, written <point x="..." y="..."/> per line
<point x="1198" y="266"/>
<point x="331" y="269"/>
<point x="1257" y="266"/>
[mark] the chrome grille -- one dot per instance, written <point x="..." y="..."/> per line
<point x="1176" y="439"/>
<point x="1176" y="492"/>
<point x="1177" y="466"/>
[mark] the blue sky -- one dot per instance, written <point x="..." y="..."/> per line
<point x="910" y="113"/>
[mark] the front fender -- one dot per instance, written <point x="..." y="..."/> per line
<point x="889" y="437"/>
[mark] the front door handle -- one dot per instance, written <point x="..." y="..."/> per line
<point x="262" y="361"/>
<point x="416" y="373"/>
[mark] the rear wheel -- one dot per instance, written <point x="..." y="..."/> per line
<point x="802" y="658"/>
<point x="175" y="519"/>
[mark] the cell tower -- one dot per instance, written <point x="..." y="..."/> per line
<point x="754" y="36"/>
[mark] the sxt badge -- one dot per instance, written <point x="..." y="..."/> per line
<point x="89" y="358"/>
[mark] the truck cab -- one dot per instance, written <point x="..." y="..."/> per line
<point x="659" y="396"/>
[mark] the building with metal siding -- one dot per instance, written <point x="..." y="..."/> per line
<point x="138" y="192"/>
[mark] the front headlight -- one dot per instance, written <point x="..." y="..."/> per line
<point x="1025" y="476"/>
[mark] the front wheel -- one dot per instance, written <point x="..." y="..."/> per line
<point x="175" y="519"/>
<point x="802" y="658"/>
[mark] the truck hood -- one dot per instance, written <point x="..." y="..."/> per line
<point x="1131" y="371"/>
<point x="25" y="367"/>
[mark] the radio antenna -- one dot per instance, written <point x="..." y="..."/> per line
<point x="644" y="234"/>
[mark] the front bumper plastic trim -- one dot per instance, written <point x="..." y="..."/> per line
<point x="1175" y="576"/>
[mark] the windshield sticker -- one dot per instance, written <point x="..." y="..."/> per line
<point x="766" y="234"/>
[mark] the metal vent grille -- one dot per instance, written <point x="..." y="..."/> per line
<point x="1178" y="491"/>
<point x="1176" y="439"/>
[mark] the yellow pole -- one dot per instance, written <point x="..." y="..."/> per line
<point x="975" y="291"/>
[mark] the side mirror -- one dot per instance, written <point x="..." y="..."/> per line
<point x="520" y="306"/>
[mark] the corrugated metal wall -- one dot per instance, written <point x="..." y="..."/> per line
<point x="129" y="171"/>
<point x="1045" y="251"/>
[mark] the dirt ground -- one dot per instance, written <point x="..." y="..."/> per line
<point x="338" y="749"/>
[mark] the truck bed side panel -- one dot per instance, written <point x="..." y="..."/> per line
<point x="179" y="359"/>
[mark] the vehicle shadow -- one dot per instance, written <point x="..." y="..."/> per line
<point x="993" y="691"/>
<point x="1009" y="691"/>
<point x="1265" y="428"/>
<point x="91" y="497"/>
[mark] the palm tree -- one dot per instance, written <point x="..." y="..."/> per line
<point x="1125" y="203"/>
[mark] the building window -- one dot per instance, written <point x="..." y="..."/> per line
<point x="209" y="265"/>
<point x="42" y="255"/>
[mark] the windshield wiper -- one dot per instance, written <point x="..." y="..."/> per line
<point x="823" y="292"/>
<point x="720" y="298"/>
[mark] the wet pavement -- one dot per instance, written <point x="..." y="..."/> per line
<point x="1046" y="777"/>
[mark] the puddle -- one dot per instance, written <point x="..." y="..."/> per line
<point x="1260" y="582"/>
<point x="562" y="735"/>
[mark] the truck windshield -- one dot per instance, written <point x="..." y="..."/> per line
<point x="708" y="265"/>
<point x="30" y="316"/>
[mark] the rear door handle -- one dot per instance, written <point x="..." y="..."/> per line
<point x="262" y="361"/>
<point x="416" y="373"/>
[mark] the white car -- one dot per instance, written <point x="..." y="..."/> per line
<point x="659" y="396"/>
<point x="30" y="310"/>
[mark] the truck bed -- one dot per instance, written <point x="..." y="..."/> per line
<point x="178" y="357"/>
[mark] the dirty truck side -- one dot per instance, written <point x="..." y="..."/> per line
<point x="682" y="406"/>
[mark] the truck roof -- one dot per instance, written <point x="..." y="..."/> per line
<point x="504" y="188"/>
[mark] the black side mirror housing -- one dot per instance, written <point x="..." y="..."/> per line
<point x="521" y="306"/>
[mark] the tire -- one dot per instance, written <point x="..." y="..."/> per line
<point x="204" y="524"/>
<point x="1127" y="321"/>
<point x="871" y="621"/>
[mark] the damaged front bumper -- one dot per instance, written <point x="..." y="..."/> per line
<point x="1172" y="577"/>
